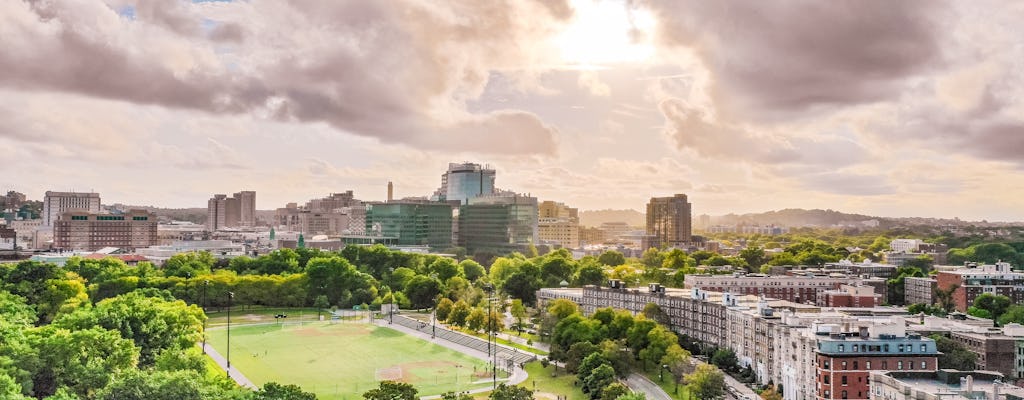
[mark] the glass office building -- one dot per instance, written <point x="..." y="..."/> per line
<point x="498" y="224"/>
<point x="465" y="181"/>
<point x="412" y="223"/>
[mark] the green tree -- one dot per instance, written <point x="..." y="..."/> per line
<point x="611" y="258"/>
<point x="14" y="310"/>
<point x="166" y="385"/>
<point x="614" y="391"/>
<point x="190" y="359"/>
<point x="518" y="311"/>
<point x="659" y="339"/>
<point x="599" y="378"/>
<point x="617" y="355"/>
<point x="522" y="285"/>
<point x="706" y="382"/>
<point x="1013" y="314"/>
<point x="754" y="256"/>
<point x="422" y="290"/>
<point x="189" y="264"/>
<point x="275" y="391"/>
<point x="320" y="303"/>
<point x="994" y="305"/>
<point x="152" y="323"/>
<point x="637" y="337"/>
<point x="476" y="320"/>
<point x="82" y="360"/>
<point x="577" y="352"/>
<point x="953" y="355"/>
<point x="456" y="396"/>
<point x="506" y="392"/>
<point x="771" y="394"/>
<point x="472" y="270"/>
<point x="390" y="390"/>
<point x="725" y="359"/>
<point x="652" y="258"/>
<point x="445" y="268"/>
<point x="444" y="309"/>
<point x="460" y="311"/>
<point x="677" y="361"/>
<point x="633" y="396"/>
<point x="653" y="312"/>
<point x="562" y="308"/>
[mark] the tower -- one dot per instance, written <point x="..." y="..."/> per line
<point x="668" y="221"/>
<point x="391" y="191"/>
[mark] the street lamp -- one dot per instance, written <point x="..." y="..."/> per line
<point x="231" y="295"/>
<point x="205" y="284"/>
<point x="490" y="330"/>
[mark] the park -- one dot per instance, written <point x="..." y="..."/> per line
<point x="341" y="359"/>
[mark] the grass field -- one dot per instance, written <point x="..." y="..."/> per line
<point x="343" y="360"/>
<point x="548" y="387"/>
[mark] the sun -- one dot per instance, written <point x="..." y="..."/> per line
<point x="605" y="32"/>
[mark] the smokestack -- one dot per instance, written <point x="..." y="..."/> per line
<point x="391" y="191"/>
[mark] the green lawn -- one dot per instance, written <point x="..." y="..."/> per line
<point x="343" y="360"/>
<point x="261" y="315"/>
<point x="548" y="387"/>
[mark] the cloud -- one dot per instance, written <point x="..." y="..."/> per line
<point x="794" y="56"/>
<point x="397" y="71"/>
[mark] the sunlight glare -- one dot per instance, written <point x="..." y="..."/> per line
<point x="606" y="32"/>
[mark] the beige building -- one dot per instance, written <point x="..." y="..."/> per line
<point x="236" y="211"/>
<point x="668" y="222"/>
<point x="558" y="224"/>
<point x="336" y="214"/>
<point x="86" y="231"/>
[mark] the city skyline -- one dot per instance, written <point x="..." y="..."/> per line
<point x="878" y="108"/>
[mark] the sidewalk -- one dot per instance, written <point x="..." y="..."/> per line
<point x="233" y="373"/>
<point x="640" y="383"/>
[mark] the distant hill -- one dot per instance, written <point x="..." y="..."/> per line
<point x="595" y="218"/>
<point x="795" y="217"/>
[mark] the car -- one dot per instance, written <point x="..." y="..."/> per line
<point x="281" y="316"/>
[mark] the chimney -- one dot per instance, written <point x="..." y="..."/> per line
<point x="391" y="191"/>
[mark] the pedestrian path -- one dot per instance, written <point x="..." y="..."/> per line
<point x="233" y="373"/>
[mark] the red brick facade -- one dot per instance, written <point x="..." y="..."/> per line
<point x="848" y="377"/>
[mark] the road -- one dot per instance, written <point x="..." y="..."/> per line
<point x="640" y="383"/>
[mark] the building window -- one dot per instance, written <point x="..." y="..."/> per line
<point x="844" y="380"/>
<point x="827" y="381"/>
<point x="844" y="394"/>
<point x="924" y="348"/>
<point x="899" y="365"/>
<point x="844" y="365"/>
<point x="924" y="365"/>
<point x="842" y="348"/>
<point x="855" y="366"/>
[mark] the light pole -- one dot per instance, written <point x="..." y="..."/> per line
<point x="494" y="361"/>
<point x="231" y="295"/>
<point x="205" y="284"/>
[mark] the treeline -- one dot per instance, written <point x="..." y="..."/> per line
<point x="58" y="344"/>
<point x="611" y="344"/>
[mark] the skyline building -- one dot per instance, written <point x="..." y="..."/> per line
<point x="668" y="222"/>
<point x="236" y="211"/>
<point x="498" y="223"/>
<point x="558" y="223"/>
<point x="56" y="203"/>
<point x="91" y="231"/>
<point x="413" y="223"/>
<point x="465" y="181"/>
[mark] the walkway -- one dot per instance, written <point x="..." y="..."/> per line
<point x="233" y="373"/>
<point x="518" y="374"/>
<point x="640" y="383"/>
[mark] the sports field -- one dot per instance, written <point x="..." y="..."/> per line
<point x="343" y="360"/>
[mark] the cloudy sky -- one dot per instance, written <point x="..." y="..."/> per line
<point x="892" y="108"/>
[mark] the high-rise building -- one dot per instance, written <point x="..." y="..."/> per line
<point x="236" y="211"/>
<point x="558" y="224"/>
<point x="465" y="181"/>
<point x="668" y="222"/>
<point x="56" y="203"/>
<point x="90" y="231"/>
<point x="498" y="223"/>
<point x="413" y="223"/>
<point x="391" y="191"/>
<point x="333" y="202"/>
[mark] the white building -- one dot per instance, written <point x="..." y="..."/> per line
<point x="56" y="203"/>
<point x="218" y="248"/>
<point x="905" y="245"/>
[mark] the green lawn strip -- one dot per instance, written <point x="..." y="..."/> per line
<point x="342" y="360"/>
<point x="668" y="385"/>
<point x="561" y="384"/>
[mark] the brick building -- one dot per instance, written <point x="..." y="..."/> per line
<point x="86" y="231"/>
<point x="844" y="361"/>
<point x="972" y="281"/>
<point x="798" y="289"/>
<point x="849" y="296"/>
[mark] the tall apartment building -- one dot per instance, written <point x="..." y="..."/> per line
<point x="558" y="224"/>
<point x="88" y="231"/>
<point x="56" y="203"/>
<point x="971" y="282"/>
<point x="919" y="290"/>
<point x="845" y="360"/>
<point x="412" y="223"/>
<point x="465" y="181"/>
<point x="236" y="211"/>
<point x="498" y="223"/>
<point x="668" y="222"/>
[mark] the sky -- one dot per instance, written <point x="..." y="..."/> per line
<point x="908" y="108"/>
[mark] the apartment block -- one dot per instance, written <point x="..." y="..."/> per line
<point x="56" y="203"/>
<point x="845" y="360"/>
<point x="942" y="385"/>
<point x="799" y="289"/>
<point x="919" y="290"/>
<point x="237" y="211"/>
<point x="972" y="281"/>
<point x="85" y="231"/>
<point x="668" y="222"/>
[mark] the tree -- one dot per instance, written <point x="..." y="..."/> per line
<point x="518" y="311"/>
<point x="659" y="339"/>
<point x="522" y="285"/>
<point x="1013" y="314"/>
<point x="472" y="270"/>
<point x="611" y="258"/>
<point x="445" y="268"/>
<point x="152" y="323"/>
<point x="994" y="305"/>
<point x="460" y="311"/>
<point x="652" y="258"/>
<point x="275" y="391"/>
<point x="320" y="303"/>
<point x="82" y="360"/>
<point x="189" y="264"/>
<point x="589" y="363"/>
<point x="653" y="312"/>
<point x="953" y="355"/>
<point x="754" y="256"/>
<point x="444" y="309"/>
<point x="677" y="361"/>
<point x="617" y="355"/>
<point x="166" y="385"/>
<point x="506" y="392"/>
<point x="576" y="353"/>
<point x="422" y="290"/>
<point x="614" y="391"/>
<point x="562" y="308"/>
<point x="590" y="274"/>
<point x="456" y="396"/>
<point x="636" y="336"/>
<point x="725" y="359"/>
<point x="706" y="382"/>
<point x="391" y="390"/>
<point x="595" y="382"/>
<point x="633" y="396"/>
<point x="771" y="394"/>
<point x="476" y="320"/>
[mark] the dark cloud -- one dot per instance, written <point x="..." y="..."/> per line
<point x="398" y="71"/>
<point x="792" y="56"/>
<point x="691" y="129"/>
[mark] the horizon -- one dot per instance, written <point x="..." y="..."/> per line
<point x="895" y="110"/>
